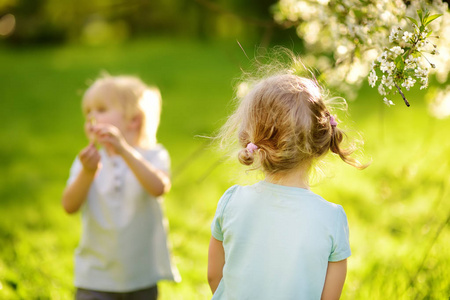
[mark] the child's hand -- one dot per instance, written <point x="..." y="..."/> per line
<point x="91" y="122"/>
<point x="90" y="158"/>
<point x="110" y="137"/>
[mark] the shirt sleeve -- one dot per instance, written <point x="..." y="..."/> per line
<point x="341" y="245"/>
<point x="216" y="225"/>
<point x="159" y="157"/>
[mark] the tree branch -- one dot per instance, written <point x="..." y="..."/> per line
<point x="401" y="93"/>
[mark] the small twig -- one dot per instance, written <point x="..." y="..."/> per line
<point x="211" y="169"/>
<point x="401" y="93"/>
<point x="190" y="159"/>
<point x="242" y="49"/>
<point x="427" y="252"/>
<point x="436" y="236"/>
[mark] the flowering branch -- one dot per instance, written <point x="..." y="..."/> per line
<point x="403" y="96"/>
<point x="400" y="65"/>
<point x="342" y="38"/>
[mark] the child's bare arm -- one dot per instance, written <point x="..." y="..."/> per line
<point x="216" y="261"/>
<point x="153" y="180"/>
<point x="75" y="193"/>
<point x="334" y="280"/>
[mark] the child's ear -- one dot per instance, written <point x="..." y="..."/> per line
<point x="135" y="122"/>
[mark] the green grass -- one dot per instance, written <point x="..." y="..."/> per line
<point x="398" y="208"/>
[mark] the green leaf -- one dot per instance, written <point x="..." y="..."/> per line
<point x="409" y="72"/>
<point x="419" y="12"/>
<point x="414" y="21"/>
<point x="431" y="19"/>
<point x="416" y="54"/>
<point x="357" y="52"/>
<point x="425" y="15"/>
<point x="400" y="65"/>
<point x="358" y="13"/>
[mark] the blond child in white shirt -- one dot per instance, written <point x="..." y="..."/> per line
<point x="123" y="250"/>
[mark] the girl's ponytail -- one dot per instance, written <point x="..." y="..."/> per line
<point x="246" y="156"/>
<point x="337" y="136"/>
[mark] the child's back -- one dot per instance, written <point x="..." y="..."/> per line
<point x="276" y="239"/>
<point x="281" y="239"/>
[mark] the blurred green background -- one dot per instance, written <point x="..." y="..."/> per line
<point x="398" y="208"/>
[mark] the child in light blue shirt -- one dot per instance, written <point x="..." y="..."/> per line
<point x="276" y="239"/>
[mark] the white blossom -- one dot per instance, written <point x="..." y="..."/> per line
<point x="395" y="34"/>
<point x="424" y="83"/>
<point x="419" y="72"/>
<point x="421" y="44"/>
<point x="387" y="67"/>
<point x="408" y="83"/>
<point x="382" y="57"/>
<point x="388" y="102"/>
<point x="381" y="90"/>
<point x="407" y="36"/>
<point x="373" y="78"/>
<point x="397" y="50"/>
<point x="387" y="81"/>
<point x="411" y="62"/>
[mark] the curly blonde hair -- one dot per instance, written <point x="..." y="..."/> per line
<point x="287" y="118"/>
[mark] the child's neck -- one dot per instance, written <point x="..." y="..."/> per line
<point x="298" y="177"/>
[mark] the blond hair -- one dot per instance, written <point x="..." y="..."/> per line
<point x="287" y="118"/>
<point x="134" y="98"/>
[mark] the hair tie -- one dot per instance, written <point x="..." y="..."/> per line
<point x="251" y="147"/>
<point x="333" y="122"/>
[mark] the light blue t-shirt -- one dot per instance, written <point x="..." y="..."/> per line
<point x="278" y="241"/>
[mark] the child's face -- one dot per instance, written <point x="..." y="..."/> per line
<point x="99" y="109"/>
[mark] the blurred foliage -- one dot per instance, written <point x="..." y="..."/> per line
<point x="113" y="21"/>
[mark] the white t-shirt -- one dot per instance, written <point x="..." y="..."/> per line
<point x="278" y="241"/>
<point x="123" y="246"/>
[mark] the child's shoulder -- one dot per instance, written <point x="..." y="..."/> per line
<point x="326" y="203"/>
<point x="152" y="149"/>
<point x="157" y="150"/>
<point x="237" y="188"/>
<point x="157" y="155"/>
<point x="328" y="208"/>
<point x="230" y="191"/>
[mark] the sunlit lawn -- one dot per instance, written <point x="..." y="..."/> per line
<point x="398" y="208"/>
